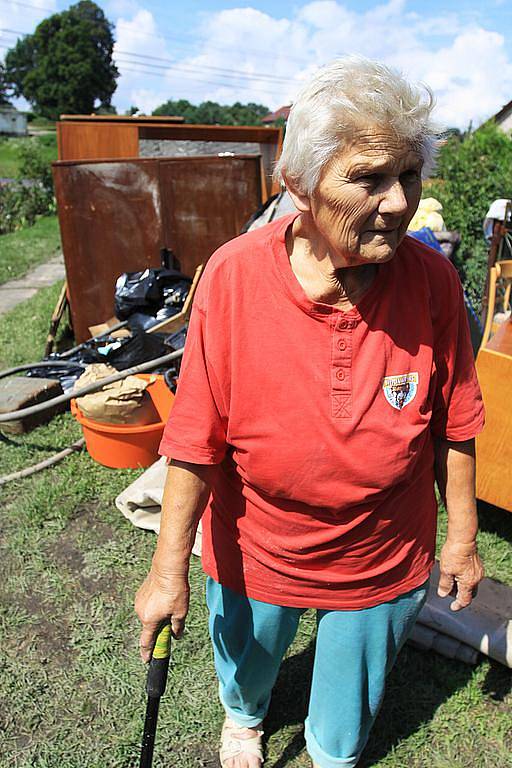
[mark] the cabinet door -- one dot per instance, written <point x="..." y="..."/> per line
<point x="110" y="221"/>
<point x="205" y="203"/>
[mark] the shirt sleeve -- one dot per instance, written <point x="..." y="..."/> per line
<point x="196" y="428"/>
<point x="458" y="412"/>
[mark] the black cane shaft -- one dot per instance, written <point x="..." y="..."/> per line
<point x="148" y="738"/>
<point x="155" y="687"/>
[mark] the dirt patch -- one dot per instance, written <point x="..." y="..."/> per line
<point x="66" y="550"/>
<point x="196" y="754"/>
<point x="42" y="634"/>
<point x="85" y="517"/>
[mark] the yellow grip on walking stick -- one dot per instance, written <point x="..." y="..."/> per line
<point x="162" y="649"/>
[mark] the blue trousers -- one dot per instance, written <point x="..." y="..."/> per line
<point x="355" y="650"/>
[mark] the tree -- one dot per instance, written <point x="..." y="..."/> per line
<point x="4" y="88"/>
<point x="473" y="170"/>
<point x="66" y="65"/>
<point x="211" y="113"/>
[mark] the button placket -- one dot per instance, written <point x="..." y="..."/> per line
<point x="341" y="368"/>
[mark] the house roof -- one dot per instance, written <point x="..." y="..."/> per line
<point x="504" y="111"/>
<point x="283" y="112"/>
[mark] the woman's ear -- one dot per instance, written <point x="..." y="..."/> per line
<point x="300" y="200"/>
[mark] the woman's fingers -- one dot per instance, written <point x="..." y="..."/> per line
<point x="446" y="584"/>
<point x="461" y="570"/>
<point x="177" y="627"/>
<point x="147" y="640"/>
<point x="157" y="601"/>
<point x="463" y="598"/>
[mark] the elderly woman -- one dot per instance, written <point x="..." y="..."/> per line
<point x="327" y="381"/>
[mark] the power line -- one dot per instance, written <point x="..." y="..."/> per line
<point x="240" y="73"/>
<point x="165" y="35"/>
<point x="190" y="74"/>
<point x="220" y="71"/>
<point x="231" y="86"/>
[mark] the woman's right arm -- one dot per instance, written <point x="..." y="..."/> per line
<point x="165" y="591"/>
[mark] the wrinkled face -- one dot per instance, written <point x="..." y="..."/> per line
<point x="366" y="197"/>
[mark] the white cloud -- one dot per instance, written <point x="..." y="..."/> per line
<point x="464" y="76"/>
<point x="137" y="37"/>
<point x="247" y="55"/>
<point x="21" y="19"/>
<point x="234" y="47"/>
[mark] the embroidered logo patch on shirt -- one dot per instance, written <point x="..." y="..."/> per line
<point x="400" y="390"/>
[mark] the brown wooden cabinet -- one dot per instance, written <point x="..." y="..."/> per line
<point x="494" y="444"/>
<point x="116" y="216"/>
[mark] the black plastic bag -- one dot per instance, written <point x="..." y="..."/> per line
<point x="149" y="290"/>
<point x="132" y="350"/>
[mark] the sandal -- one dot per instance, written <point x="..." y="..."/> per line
<point x="232" y="746"/>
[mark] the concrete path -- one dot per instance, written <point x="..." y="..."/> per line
<point x="23" y="288"/>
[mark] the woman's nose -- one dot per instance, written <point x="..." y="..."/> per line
<point x="394" y="199"/>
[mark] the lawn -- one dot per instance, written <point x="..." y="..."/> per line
<point x="9" y="152"/>
<point x="22" y="250"/>
<point x="71" y="684"/>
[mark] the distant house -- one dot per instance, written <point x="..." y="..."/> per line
<point x="282" y="112"/>
<point x="12" y="122"/>
<point x="503" y="118"/>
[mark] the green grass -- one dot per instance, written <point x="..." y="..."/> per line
<point x="71" y="684"/>
<point x="9" y="152"/>
<point x="24" y="249"/>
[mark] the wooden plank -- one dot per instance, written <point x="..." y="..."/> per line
<point x="173" y="324"/>
<point x="189" y="132"/>
<point x="132" y="119"/>
<point x="494" y="444"/>
<point x="90" y="141"/>
<point x="110" y="222"/>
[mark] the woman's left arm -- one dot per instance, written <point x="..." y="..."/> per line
<point x="460" y="565"/>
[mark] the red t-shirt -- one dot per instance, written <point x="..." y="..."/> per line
<point x="321" y="422"/>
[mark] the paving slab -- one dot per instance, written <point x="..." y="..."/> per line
<point x="23" y="288"/>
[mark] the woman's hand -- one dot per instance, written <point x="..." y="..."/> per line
<point x="461" y="570"/>
<point x="160" y="598"/>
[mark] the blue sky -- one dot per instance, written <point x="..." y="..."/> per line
<point x="262" y="51"/>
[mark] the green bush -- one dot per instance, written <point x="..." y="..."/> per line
<point x="31" y="195"/>
<point x="472" y="172"/>
<point x="21" y="205"/>
<point x="34" y="165"/>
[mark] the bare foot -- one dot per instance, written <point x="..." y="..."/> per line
<point x="233" y="734"/>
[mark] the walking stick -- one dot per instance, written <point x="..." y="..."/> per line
<point x="155" y="687"/>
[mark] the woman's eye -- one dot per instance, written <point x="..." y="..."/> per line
<point x="410" y="176"/>
<point x="370" y="178"/>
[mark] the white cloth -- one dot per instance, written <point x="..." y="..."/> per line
<point x="141" y="501"/>
<point x="496" y="211"/>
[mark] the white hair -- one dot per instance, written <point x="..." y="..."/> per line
<point x="347" y="94"/>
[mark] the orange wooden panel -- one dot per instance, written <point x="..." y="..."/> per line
<point x="494" y="444"/>
<point x="92" y="141"/>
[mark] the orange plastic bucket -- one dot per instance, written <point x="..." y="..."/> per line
<point x="128" y="445"/>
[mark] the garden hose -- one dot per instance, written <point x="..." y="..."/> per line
<point x="94" y="387"/>
<point x="155" y="688"/>
<point x="43" y="464"/>
<point x="42" y="364"/>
